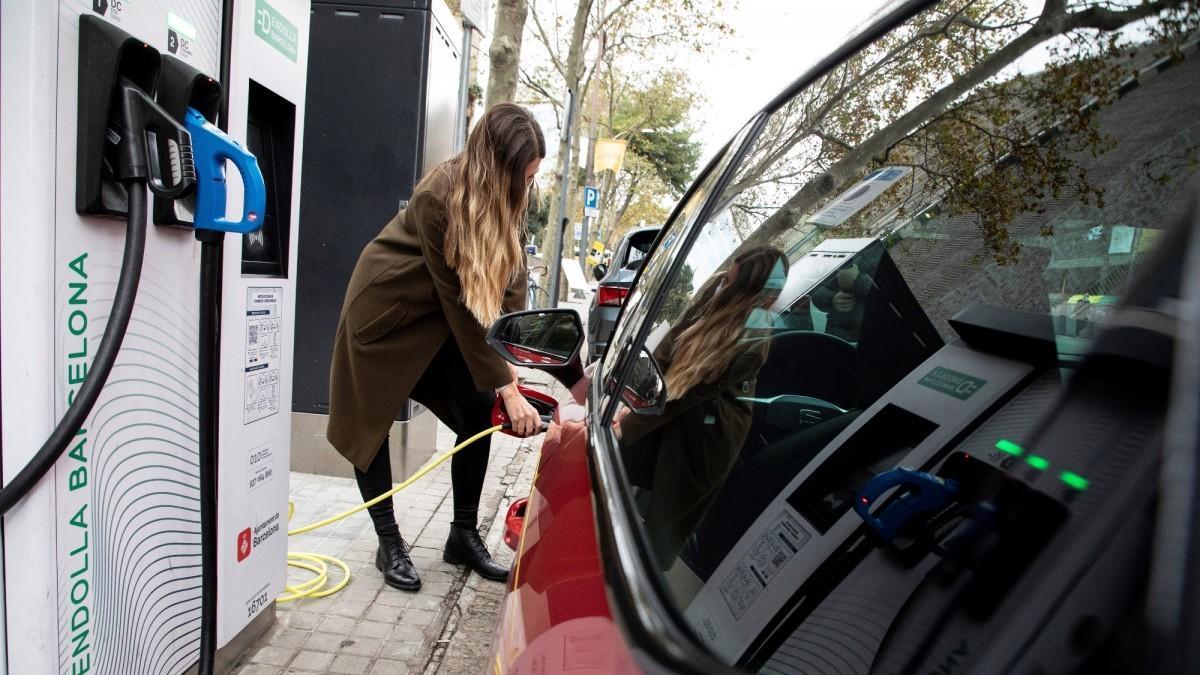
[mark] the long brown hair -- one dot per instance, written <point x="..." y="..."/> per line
<point x="716" y="320"/>
<point x="487" y="206"/>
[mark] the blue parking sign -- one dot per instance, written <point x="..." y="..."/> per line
<point x="591" y="197"/>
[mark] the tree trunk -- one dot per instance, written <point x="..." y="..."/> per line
<point x="573" y="75"/>
<point x="505" y="52"/>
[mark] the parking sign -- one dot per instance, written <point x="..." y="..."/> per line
<point x="591" y="201"/>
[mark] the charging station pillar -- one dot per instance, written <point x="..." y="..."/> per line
<point x="268" y="54"/>
<point x="101" y="560"/>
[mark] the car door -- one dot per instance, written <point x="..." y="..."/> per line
<point x="1019" y="156"/>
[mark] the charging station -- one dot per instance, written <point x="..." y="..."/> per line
<point x="102" y="558"/>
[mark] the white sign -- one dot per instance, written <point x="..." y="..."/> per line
<point x="475" y="12"/>
<point x="857" y="197"/>
<point x="263" y="323"/>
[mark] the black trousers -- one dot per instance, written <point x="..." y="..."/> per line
<point x="447" y="389"/>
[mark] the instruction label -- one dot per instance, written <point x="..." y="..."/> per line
<point x="264" y="320"/>
<point x="260" y="467"/>
<point x="762" y="562"/>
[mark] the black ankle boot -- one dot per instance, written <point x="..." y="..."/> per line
<point x="465" y="547"/>
<point x="392" y="559"/>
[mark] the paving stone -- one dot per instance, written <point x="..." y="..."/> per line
<point x="349" y="664"/>
<point x="258" y="669"/>
<point x="417" y="617"/>
<point x="315" y="661"/>
<point x="273" y="656"/>
<point x="287" y="637"/>
<point x="425" y="602"/>
<point x="372" y="629"/>
<point x="324" y="642"/>
<point x="388" y="667"/>
<point x="383" y="613"/>
<point x="299" y="620"/>
<point x="338" y="625"/>
<point x="349" y="608"/>
<point x="394" y="598"/>
<point x="361" y="646"/>
<point x="400" y="650"/>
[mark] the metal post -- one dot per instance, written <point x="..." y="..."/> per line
<point x="556" y="263"/>
<point x="464" y="78"/>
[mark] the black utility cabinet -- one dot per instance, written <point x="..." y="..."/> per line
<point x="380" y="110"/>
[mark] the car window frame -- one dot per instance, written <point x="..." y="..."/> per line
<point x="641" y="602"/>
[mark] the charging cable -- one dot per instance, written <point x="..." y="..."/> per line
<point x="318" y="563"/>
<point x="139" y="123"/>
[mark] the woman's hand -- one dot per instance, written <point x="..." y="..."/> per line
<point x="523" y="417"/>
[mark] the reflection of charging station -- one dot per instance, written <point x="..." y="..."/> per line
<point x="102" y="562"/>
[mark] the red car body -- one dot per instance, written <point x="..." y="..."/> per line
<point x="556" y="616"/>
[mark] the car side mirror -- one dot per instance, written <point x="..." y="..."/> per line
<point x="599" y="271"/>
<point x="543" y="339"/>
<point x="645" y="389"/>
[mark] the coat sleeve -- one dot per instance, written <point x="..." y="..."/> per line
<point x="488" y="369"/>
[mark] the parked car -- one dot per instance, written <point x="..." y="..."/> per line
<point x="909" y="382"/>
<point x="614" y="280"/>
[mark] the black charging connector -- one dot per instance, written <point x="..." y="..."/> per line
<point x="148" y="145"/>
<point x="122" y="134"/>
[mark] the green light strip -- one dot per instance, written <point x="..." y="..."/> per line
<point x="1005" y="445"/>
<point x="1074" y="480"/>
<point x="1039" y="463"/>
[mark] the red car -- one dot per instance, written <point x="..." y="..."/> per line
<point x="908" y="383"/>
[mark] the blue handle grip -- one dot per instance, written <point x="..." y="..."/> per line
<point x="920" y="493"/>
<point x="211" y="148"/>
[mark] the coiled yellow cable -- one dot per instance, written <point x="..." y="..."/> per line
<point x="318" y="564"/>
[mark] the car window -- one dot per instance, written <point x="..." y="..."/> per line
<point x="1017" y="155"/>
<point x="677" y="229"/>
<point x="639" y="246"/>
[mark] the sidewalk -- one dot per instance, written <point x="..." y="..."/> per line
<point x="371" y="629"/>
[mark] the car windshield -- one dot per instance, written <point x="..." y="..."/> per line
<point x="1023" y="156"/>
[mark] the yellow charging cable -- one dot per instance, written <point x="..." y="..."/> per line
<point x="318" y="564"/>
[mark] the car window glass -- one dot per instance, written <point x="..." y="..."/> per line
<point x="979" y="153"/>
<point x="636" y="304"/>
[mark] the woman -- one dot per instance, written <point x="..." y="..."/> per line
<point x="414" y="322"/>
<point x="710" y="358"/>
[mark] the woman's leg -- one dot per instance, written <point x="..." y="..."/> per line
<point x="376" y="481"/>
<point x="392" y="557"/>
<point x="448" y="390"/>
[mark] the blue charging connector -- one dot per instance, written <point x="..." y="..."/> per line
<point x="920" y="493"/>
<point x="211" y="148"/>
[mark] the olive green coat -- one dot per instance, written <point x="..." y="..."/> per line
<point x="401" y="306"/>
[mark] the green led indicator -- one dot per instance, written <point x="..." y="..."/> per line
<point x="1039" y="463"/>
<point x="1004" y="445"/>
<point x="1074" y="480"/>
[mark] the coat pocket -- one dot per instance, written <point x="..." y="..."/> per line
<point x="382" y="324"/>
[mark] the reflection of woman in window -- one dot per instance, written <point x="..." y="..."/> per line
<point x="684" y="455"/>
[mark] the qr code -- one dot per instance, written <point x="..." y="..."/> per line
<point x="252" y="338"/>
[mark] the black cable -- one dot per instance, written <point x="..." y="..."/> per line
<point x="106" y="354"/>
<point x="211" y="253"/>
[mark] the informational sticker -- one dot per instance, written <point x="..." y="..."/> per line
<point x="117" y="10"/>
<point x="264" y="320"/>
<point x="762" y="562"/>
<point x="952" y="383"/>
<point x="181" y="36"/>
<point x="857" y="197"/>
<point x="260" y="467"/>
